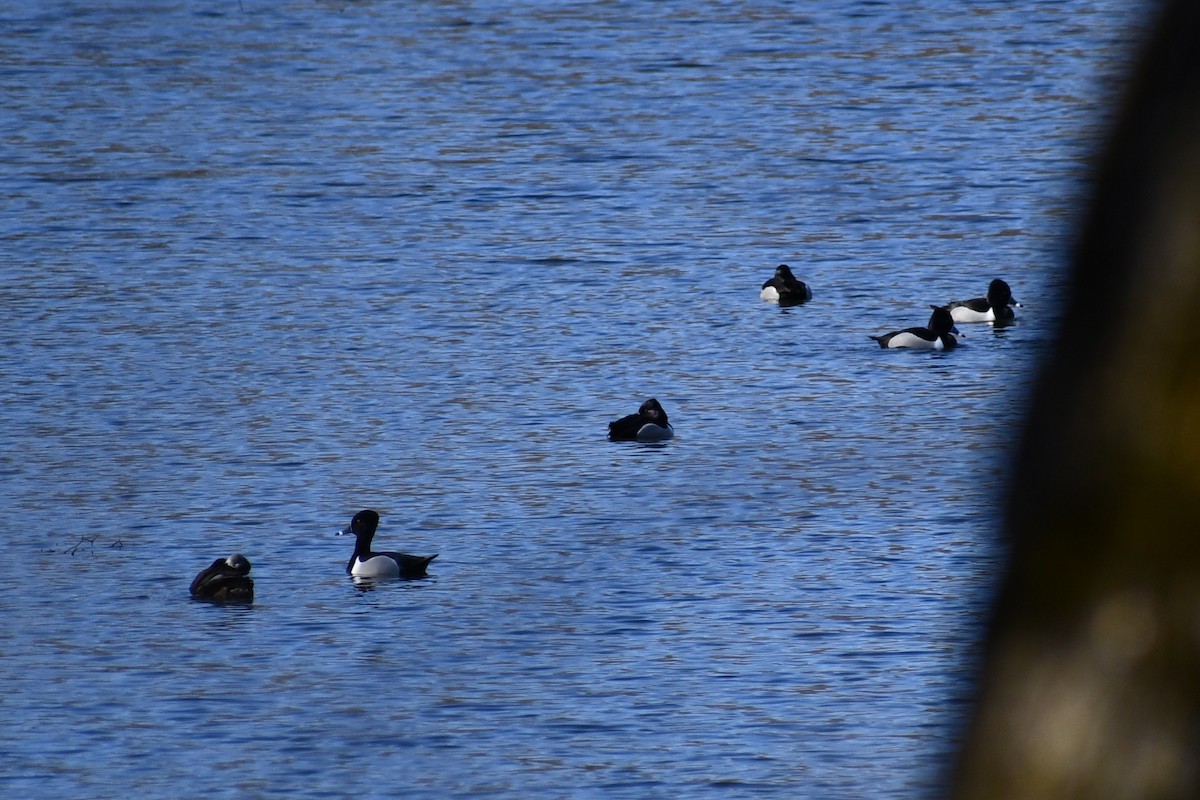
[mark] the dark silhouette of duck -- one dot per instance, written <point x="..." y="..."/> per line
<point x="996" y="307"/>
<point x="364" y="563"/>
<point x="938" y="335"/>
<point x="225" y="580"/>
<point x="649" y="424"/>
<point x="784" y="288"/>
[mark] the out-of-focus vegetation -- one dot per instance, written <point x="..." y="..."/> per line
<point x="1091" y="687"/>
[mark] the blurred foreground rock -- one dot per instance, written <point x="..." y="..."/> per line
<point x="1091" y="687"/>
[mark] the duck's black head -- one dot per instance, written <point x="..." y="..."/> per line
<point x="239" y="564"/>
<point x="363" y="525"/>
<point x="651" y="411"/>
<point x="941" y="322"/>
<point x="785" y="272"/>
<point x="999" y="294"/>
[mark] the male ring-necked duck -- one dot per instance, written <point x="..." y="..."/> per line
<point x="649" y="424"/>
<point x="784" y="289"/>
<point x="996" y="307"/>
<point x="225" y="579"/>
<point x="367" y="564"/>
<point x="938" y="335"/>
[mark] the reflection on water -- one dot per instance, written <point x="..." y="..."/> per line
<point x="366" y="585"/>
<point x="267" y="265"/>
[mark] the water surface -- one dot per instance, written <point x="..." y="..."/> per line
<point x="264" y="265"/>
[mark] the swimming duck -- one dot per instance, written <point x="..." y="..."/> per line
<point x="649" y="424"/>
<point x="225" y="579"/>
<point x="784" y="289"/>
<point x="938" y="335"/>
<point x="996" y="307"/>
<point x="366" y="564"/>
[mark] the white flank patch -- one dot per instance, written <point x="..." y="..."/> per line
<point x="375" y="567"/>
<point x="654" y="433"/>
<point x="906" y="339"/>
<point x="964" y="314"/>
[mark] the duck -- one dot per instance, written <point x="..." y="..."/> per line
<point x="997" y="306"/>
<point x="364" y="563"/>
<point x="785" y="289"/>
<point x="649" y="424"/>
<point x="939" y="334"/>
<point x="226" y="579"/>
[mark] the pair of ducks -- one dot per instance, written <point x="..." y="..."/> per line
<point x="939" y="334"/>
<point x="650" y="423"/>
<point x="228" y="579"/>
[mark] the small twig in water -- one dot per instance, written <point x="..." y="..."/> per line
<point x="82" y="539"/>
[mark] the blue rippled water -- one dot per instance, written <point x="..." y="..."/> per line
<point x="265" y="264"/>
